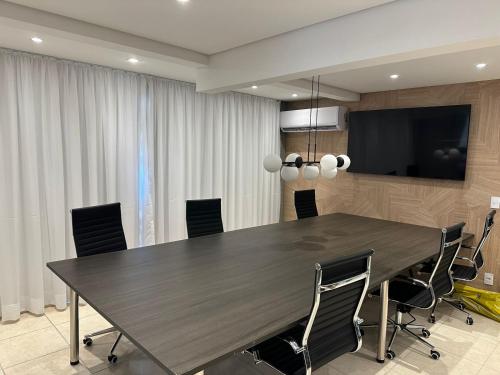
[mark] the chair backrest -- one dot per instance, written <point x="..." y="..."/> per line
<point x="441" y="279"/>
<point x="203" y="217"/>
<point x="340" y="289"/>
<point x="98" y="229"/>
<point x="477" y="257"/>
<point x="305" y="203"/>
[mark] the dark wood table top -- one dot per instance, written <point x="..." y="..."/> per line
<point x="190" y="303"/>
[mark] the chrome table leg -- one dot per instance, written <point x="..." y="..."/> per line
<point x="73" y="329"/>
<point x="382" y="328"/>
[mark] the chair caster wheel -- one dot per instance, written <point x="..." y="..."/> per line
<point x="461" y="306"/>
<point x="432" y="319"/>
<point x="112" y="358"/>
<point x="469" y="320"/>
<point x="390" y="354"/>
<point x="435" y="354"/>
<point x="426" y="333"/>
<point x="87" y="341"/>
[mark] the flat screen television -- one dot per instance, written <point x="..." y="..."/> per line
<point x="429" y="142"/>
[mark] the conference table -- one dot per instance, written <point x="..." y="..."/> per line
<point x="191" y="303"/>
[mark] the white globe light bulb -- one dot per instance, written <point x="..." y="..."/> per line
<point x="329" y="173"/>
<point x="272" y="163"/>
<point x="311" y="172"/>
<point x="347" y="162"/>
<point x="289" y="173"/>
<point x="328" y="161"/>
<point x="291" y="157"/>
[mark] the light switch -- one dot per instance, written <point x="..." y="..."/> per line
<point x="488" y="278"/>
<point x="495" y="202"/>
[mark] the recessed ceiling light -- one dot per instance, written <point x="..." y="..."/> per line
<point x="133" y="60"/>
<point x="183" y="1"/>
<point x="295" y="95"/>
<point x="37" y="40"/>
<point x="481" y="65"/>
<point x="255" y="87"/>
<point x="394" y="76"/>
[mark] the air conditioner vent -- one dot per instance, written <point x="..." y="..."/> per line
<point x="329" y="119"/>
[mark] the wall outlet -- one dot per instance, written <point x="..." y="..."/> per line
<point x="495" y="202"/>
<point x="488" y="278"/>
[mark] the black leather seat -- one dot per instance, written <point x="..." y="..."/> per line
<point x="408" y="293"/>
<point x="332" y="328"/>
<point x="463" y="272"/>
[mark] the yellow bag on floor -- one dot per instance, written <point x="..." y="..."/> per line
<point x="481" y="301"/>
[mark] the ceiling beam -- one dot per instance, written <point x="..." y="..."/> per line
<point x="398" y="31"/>
<point x="53" y="24"/>
<point x="325" y="91"/>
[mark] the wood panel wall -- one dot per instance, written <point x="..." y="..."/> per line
<point x="434" y="203"/>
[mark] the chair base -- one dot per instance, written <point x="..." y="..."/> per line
<point x="455" y="303"/>
<point x="87" y="341"/>
<point x="99" y="333"/>
<point x="407" y="328"/>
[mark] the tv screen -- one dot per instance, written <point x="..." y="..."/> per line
<point x="426" y="142"/>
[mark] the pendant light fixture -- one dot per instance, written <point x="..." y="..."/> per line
<point x="329" y="163"/>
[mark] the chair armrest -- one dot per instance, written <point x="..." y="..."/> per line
<point x="357" y="327"/>
<point x="468" y="246"/>
<point x="464" y="258"/>
<point x="293" y="344"/>
<point x="413" y="281"/>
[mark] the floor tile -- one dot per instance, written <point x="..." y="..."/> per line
<point x="29" y="346"/>
<point x="418" y="362"/>
<point x="456" y="341"/>
<point x="62" y="316"/>
<point x="327" y="370"/>
<point x="486" y="370"/>
<point x="493" y="360"/>
<point x="482" y="327"/>
<point x="360" y="363"/>
<point x="52" y="364"/>
<point x="27" y="323"/>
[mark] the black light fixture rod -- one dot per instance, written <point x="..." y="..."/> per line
<point x="316" y="128"/>
<point x="310" y="121"/>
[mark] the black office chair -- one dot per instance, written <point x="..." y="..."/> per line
<point x="411" y="293"/>
<point x="332" y="328"/>
<point x="305" y="203"/>
<point x="99" y="230"/>
<point x="203" y="217"/>
<point x="468" y="271"/>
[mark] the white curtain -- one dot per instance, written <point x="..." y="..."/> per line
<point x="74" y="135"/>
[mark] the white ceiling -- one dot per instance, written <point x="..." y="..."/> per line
<point x="207" y="26"/>
<point x="20" y="39"/>
<point x="429" y="71"/>
<point x="276" y="92"/>
<point x="212" y="25"/>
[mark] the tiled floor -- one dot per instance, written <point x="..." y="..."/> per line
<point x="39" y="345"/>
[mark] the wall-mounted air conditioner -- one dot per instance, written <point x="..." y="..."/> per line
<point x="329" y="119"/>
